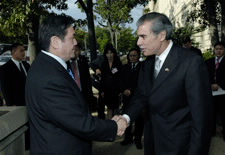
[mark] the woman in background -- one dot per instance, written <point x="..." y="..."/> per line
<point x="110" y="73"/>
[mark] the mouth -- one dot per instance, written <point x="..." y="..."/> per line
<point x="142" y="49"/>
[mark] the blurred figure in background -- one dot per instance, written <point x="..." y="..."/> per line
<point x="216" y="68"/>
<point x="128" y="84"/>
<point x="13" y="77"/>
<point x="79" y="66"/>
<point x="187" y="43"/>
<point x="110" y="85"/>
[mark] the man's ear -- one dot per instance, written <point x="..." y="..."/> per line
<point x="55" y="42"/>
<point x="163" y="35"/>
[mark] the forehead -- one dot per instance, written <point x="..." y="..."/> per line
<point x="109" y="52"/>
<point x="70" y="30"/>
<point x="219" y="47"/>
<point x="20" y="47"/>
<point x="145" y="28"/>
<point x="133" y="52"/>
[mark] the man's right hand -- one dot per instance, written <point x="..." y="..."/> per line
<point x="215" y="87"/>
<point x="98" y="71"/>
<point x="121" y="124"/>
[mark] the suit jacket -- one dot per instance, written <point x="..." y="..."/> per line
<point x="129" y="80"/>
<point x="220" y="72"/>
<point x="60" y="122"/>
<point x="110" y="84"/>
<point x="85" y="80"/>
<point x="13" y="83"/>
<point x="179" y="101"/>
<point x="85" y="77"/>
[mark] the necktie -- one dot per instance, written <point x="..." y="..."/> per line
<point x="217" y="62"/>
<point x="216" y="66"/>
<point x="70" y="72"/>
<point x="21" y="69"/>
<point x="76" y="73"/>
<point x="157" y="66"/>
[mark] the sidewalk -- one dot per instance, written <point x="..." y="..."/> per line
<point x="114" y="148"/>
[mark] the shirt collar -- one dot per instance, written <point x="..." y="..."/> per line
<point x="164" y="54"/>
<point x="60" y="60"/>
<point x="16" y="61"/>
<point x="219" y="58"/>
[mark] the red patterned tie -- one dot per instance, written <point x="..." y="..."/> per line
<point x="216" y="66"/>
<point x="217" y="62"/>
<point x="76" y="74"/>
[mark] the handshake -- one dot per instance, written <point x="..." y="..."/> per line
<point x="122" y="124"/>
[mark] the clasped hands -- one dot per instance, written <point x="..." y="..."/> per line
<point x="121" y="124"/>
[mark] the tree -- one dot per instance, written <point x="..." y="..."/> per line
<point x="126" y="39"/>
<point x="210" y="13"/>
<point x="87" y="6"/>
<point x="21" y="17"/>
<point x="114" y="13"/>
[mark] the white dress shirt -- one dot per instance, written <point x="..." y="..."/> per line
<point x="162" y="58"/>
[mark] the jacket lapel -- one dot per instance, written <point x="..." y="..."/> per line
<point x="167" y="68"/>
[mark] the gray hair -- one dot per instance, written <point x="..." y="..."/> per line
<point x="160" y="23"/>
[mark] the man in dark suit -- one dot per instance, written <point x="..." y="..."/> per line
<point x="13" y="77"/>
<point x="80" y="68"/>
<point x="216" y="67"/>
<point x="60" y="122"/>
<point x="174" y="85"/>
<point x="187" y="43"/>
<point x="128" y="84"/>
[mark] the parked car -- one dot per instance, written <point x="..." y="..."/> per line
<point x="4" y="59"/>
<point x="4" y="48"/>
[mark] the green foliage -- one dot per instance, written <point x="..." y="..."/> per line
<point x="81" y="37"/>
<point x="209" y="54"/>
<point x="126" y="39"/>
<point x="180" y="33"/>
<point x="103" y="37"/>
<point x="16" y="15"/>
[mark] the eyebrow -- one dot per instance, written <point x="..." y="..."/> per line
<point x="141" y="35"/>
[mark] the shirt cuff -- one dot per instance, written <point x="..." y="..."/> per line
<point x="127" y="118"/>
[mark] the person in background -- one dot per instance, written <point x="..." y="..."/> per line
<point x="216" y="68"/>
<point x="110" y="85"/>
<point x="187" y="43"/>
<point x="80" y="68"/>
<point x="128" y="85"/>
<point x="174" y="88"/>
<point x="96" y="66"/>
<point x="13" y="77"/>
<point x="60" y="121"/>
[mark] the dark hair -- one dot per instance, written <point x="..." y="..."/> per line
<point x="160" y="23"/>
<point x="220" y="43"/>
<point x="109" y="47"/>
<point x="53" y="25"/>
<point x="133" y="49"/>
<point x="14" y="46"/>
<point x="186" y="39"/>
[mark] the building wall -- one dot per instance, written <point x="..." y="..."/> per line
<point x="177" y="11"/>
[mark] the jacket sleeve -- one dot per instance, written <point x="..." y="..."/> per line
<point x="199" y="96"/>
<point x="66" y="108"/>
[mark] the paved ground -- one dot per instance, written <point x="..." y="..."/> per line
<point x="114" y="148"/>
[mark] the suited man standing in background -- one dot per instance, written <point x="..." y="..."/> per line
<point x="80" y="68"/>
<point x="128" y="85"/>
<point x="174" y="86"/>
<point x="60" y="122"/>
<point x="13" y="76"/>
<point x="216" y="67"/>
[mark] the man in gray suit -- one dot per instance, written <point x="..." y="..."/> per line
<point x="60" y="122"/>
<point x="174" y="86"/>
